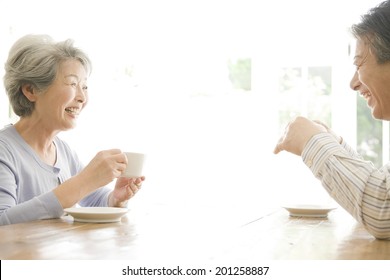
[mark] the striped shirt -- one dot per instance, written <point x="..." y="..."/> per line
<point x="359" y="187"/>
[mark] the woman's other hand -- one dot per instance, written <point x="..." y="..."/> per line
<point x="125" y="188"/>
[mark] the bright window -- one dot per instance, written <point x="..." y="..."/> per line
<point x="205" y="87"/>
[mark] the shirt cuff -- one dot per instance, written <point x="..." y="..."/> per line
<point x="318" y="149"/>
<point x="50" y="205"/>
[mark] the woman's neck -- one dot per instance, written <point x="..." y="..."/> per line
<point x="39" y="138"/>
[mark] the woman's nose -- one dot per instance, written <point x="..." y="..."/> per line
<point x="355" y="82"/>
<point x="81" y="95"/>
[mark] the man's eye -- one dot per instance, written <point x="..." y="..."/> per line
<point x="357" y="66"/>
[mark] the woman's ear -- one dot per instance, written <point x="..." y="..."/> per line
<point x="29" y="92"/>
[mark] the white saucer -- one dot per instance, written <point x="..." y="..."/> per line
<point x="308" y="210"/>
<point x="96" y="214"/>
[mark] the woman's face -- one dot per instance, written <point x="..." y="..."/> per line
<point x="60" y="105"/>
<point x="372" y="80"/>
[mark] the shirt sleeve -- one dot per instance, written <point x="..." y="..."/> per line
<point x="43" y="206"/>
<point x="359" y="187"/>
<point x="98" y="198"/>
<point x="46" y="206"/>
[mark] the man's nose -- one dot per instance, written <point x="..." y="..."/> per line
<point x="355" y="82"/>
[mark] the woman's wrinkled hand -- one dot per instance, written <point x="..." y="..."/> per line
<point x="125" y="188"/>
<point x="104" y="168"/>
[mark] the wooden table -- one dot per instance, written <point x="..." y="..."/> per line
<point x="161" y="232"/>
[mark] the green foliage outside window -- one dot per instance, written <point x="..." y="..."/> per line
<point x="305" y="91"/>
<point x="240" y="73"/>
<point x="369" y="134"/>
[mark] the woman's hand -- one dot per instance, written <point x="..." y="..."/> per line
<point x="297" y="133"/>
<point x="103" y="168"/>
<point x="125" y="188"/>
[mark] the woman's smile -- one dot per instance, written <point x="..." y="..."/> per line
<point x="73" y="111"/>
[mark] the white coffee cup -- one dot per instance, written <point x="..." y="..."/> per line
<point x="135" y="164"/>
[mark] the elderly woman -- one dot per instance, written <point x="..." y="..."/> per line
<point x="46" y="83"/>
<point x="359" y="187"/>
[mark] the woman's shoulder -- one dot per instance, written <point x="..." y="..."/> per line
<point x="8" y="135"/>
<point x="9" y="142"/>
<point x="7" y="130"/>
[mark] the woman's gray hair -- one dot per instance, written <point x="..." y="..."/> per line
<point x="374" y="29"/>
<point x="34" y="60"/>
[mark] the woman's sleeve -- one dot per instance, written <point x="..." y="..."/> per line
<point x="44" y="206"/>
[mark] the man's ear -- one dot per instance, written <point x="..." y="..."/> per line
<point x="29" y="92"/>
